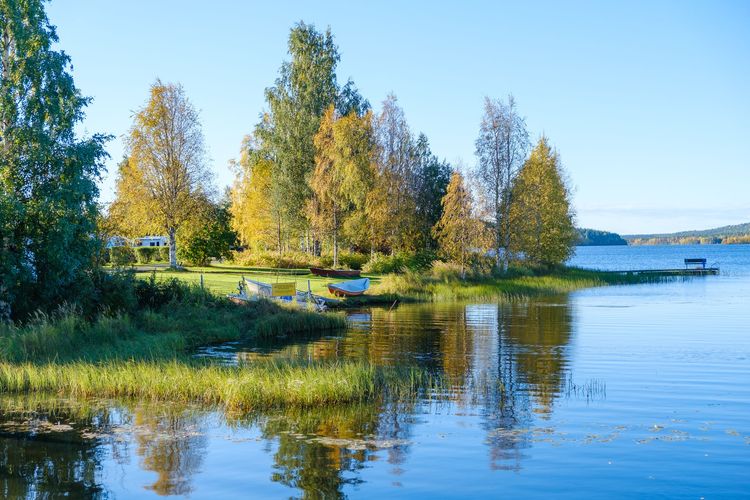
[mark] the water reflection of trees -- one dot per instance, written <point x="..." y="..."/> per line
<point x="509" y="360"/>
<point x="321" y="450"/>
<point x="526" y="364"/>
<point x="54" y="448"/>
<point x="172" y="444"/>
<point x="42" y="458"/>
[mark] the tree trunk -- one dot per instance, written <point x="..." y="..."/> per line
<point x="498" y="238"/>
<point x="278" y="234"/>
<point x="335" y="240"/>
<point x="172" y="248"/>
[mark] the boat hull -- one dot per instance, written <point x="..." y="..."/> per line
<point x="335" y="273"/>
<point x="349" y="288"/>
<point x="343" y="293"/>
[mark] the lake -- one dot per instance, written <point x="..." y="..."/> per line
<point x="640" y="390"/>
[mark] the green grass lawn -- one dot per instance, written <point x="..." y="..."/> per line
<point x="384" y="289"/>
<point x="224" y="278"/>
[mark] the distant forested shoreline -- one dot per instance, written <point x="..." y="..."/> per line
<point x="725" y="235"/>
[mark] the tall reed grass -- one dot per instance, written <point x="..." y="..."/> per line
<point x="236" y="388"/>
<point x="445" y="285"/>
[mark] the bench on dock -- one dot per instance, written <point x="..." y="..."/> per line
<point x="696" y="263"/>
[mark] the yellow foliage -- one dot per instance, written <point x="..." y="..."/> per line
<point x="252" y="206"/>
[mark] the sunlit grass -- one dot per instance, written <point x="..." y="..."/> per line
<point x="422" y="286"/>
<point x="414" y="286"/>
<point x="236" y="388"/>
<point x="148" y="356"/>
<point x="224" y="278"/>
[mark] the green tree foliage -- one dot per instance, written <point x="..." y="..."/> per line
<point x="343" y="175"/>
<point x="207" y="236"/>
<point x="458" y="232"/>
<point x="281" y="158"/>
<point x="305" y="88"/>
<point x="594" y="237"/>
<point x="431" y="183"/>
<point x="47" y="175"/>
<point x="541" y="214"/>
<point x="165" y="180"/>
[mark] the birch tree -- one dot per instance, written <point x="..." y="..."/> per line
<point x="501" y="149"/>
<point x="392" y="210"/>
<point x="165" y="149"/>
<point x="458" y="230"/>
<point x="256" y="207"/>
<point x="343" y="175"/>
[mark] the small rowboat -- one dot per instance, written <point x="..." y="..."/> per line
<point x="349" y="288"/>
<point x="251" y="290"/>
<point x="334" y="273"/>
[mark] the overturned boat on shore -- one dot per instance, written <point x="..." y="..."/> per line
<point x="351" y="288"/>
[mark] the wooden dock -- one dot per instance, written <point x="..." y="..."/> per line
<point x="671" y="272"/>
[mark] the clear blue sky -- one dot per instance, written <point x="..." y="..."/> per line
<point x="648" y="103"/>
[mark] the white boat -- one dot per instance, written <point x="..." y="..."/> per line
<point x="253" y="290"/>
<point x="350" y="288"/>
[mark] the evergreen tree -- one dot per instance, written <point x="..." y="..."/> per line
<point x="541" y="213"/>
<point x="431" y="182"/>
<point x="48" y="176"/>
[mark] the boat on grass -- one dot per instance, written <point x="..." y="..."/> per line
<point x="335" y="273"/>
<point x="250" y="290"/>
<point x="351" y="288"/>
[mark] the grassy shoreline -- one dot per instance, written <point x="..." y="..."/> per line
<point x="414" y="286"/>
<point x="241" y="388"/>
<point x="146" y="353"/>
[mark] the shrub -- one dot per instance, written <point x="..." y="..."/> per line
<point x="155" y="294"/>
<point x="121" y="256"/>
<point x="353" y="260"/>
<point x="114" y="293"/>
<point x="288" y="260"/>
<point x="445" y="271"/>
<point x="144" y="255"/>
<point x="347" y="260"/>
<point x="399" y="263"/>
<point x="163" y="255"/>
<point x="384" y="264"/>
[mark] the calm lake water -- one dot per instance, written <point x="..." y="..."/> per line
<point x="637" y="390"/>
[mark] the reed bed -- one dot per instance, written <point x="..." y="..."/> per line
<point x="236" y="388"/>
<point x="412" y="286"/>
